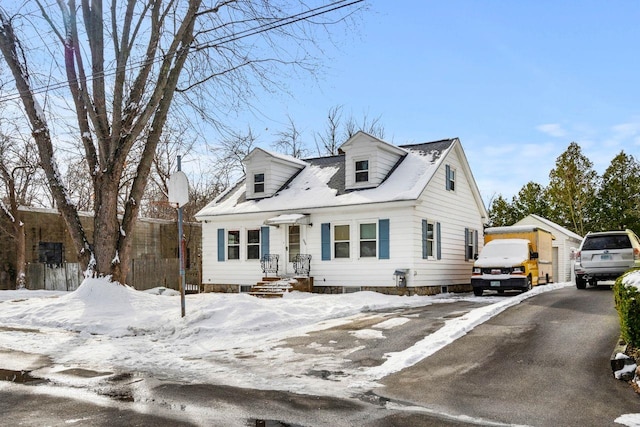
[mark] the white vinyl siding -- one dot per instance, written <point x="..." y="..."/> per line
<point x="361" y="271"/>
<point x="243" y="271"/>
<point x="455" y="214"/>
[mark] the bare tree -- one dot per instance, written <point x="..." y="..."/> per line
<point x="373" y="126"/>
<point x="328" y="141"/>
<point x="123" y="65"/>
<point x="174" y="141"/>
<point x="18" y="180"/>
<point x="290" y="140"/>
<point x="230" y="153"/>
<point x="337" y="131"/>
<point x="77" y="180"/>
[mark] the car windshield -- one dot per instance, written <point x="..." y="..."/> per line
<point x="505" y="248"/>
<point x="596" y="243"/>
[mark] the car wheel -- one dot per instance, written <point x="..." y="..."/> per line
<point x="477" y="292"/>
<point x="581" y="283"/>
<point x="529" y="285"/>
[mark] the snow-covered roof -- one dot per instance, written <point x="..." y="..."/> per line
<point x="554" y="226"/>
<point x="321" y="183"/>
<point x="524" y="228"/>
<point x="280" y="156"/>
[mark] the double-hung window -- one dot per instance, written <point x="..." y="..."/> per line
<point x="362" y="171"/>
<point x="233" y="244"/>
<point x="258" y="183"/>
<point x="371" y="240"/>
<point x="450" y="177"/>
<point x="253" y="244"/>
<point x="368" y="240"/>
<point x="471" y="243"/>
<point x="430" y="239"/>
<point x="341" y="245"/>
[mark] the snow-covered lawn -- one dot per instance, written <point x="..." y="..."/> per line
<point x="233" y="339"/>
<point x="230" y="338"/>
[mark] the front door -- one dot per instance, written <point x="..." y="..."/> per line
<point x="294" y="240"/>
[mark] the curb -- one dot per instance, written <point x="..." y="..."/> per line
<point x="624" y="367"/>
<point x="618" y="363"/>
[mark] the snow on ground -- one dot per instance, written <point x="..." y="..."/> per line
<point x="234" y="339"/>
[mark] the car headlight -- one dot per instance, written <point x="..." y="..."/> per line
<point x="518" y="270"/>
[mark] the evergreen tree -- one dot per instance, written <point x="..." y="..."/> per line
<point x="532" y="199"/>
<point x="572" y="186"/>
<point x="619" y="195"/>
<point x="501" y="212"/>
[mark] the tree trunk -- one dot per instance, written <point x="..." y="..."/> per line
<point x="106" y="228"/>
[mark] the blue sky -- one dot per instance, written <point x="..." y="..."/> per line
<point x="516" y="81"/>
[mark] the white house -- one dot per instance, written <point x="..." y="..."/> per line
<point x="376" y="216"/>
<point x="565" y="243"/>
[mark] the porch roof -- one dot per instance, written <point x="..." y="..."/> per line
<point x="295" y="218"/>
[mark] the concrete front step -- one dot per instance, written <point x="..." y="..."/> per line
<point x="271" y="288"/>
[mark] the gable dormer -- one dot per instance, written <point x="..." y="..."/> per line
<point x="368" y="160"/>
<point x="267" y="172"/>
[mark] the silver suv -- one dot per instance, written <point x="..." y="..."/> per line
<point x="606" y="256"/>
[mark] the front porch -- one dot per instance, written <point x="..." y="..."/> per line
<point x="274" y="284"/>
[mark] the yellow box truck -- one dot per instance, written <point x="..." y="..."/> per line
<point x="516" y="257"/>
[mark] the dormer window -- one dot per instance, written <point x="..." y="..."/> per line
<point x="258" y="183"/>
<point x="362" y="171"/>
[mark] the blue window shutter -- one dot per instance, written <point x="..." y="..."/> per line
<point x="383" y="242"/>
<point x="438" y="245"/>
<point x="220" y="244"/>
<point x="466" y="242"/>
<point x="325" y="230"/>
<point x="475" y="243"/>
<point x="447" y="177"/>
<point x="264" y="241"/>
<point x="425" y="250"/>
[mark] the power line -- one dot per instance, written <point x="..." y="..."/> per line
<point x="275" y="24"/>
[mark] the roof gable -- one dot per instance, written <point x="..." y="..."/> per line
<point x="267" y="172"/>
<point x="368" y="161"/>
<point x="363" y="139"/>
<point x="550" y="224"/>
<point x="260" y="153"/>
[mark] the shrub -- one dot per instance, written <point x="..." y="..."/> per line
<point x="626" y="292"/>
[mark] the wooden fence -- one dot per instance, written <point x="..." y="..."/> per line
<point x="63" y="277"/>
<point x="143" y="274"/>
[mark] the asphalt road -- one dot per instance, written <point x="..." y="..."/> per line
<point x="544" y="362"/>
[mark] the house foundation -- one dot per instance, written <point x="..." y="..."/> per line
<point x="305" y="284"/>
